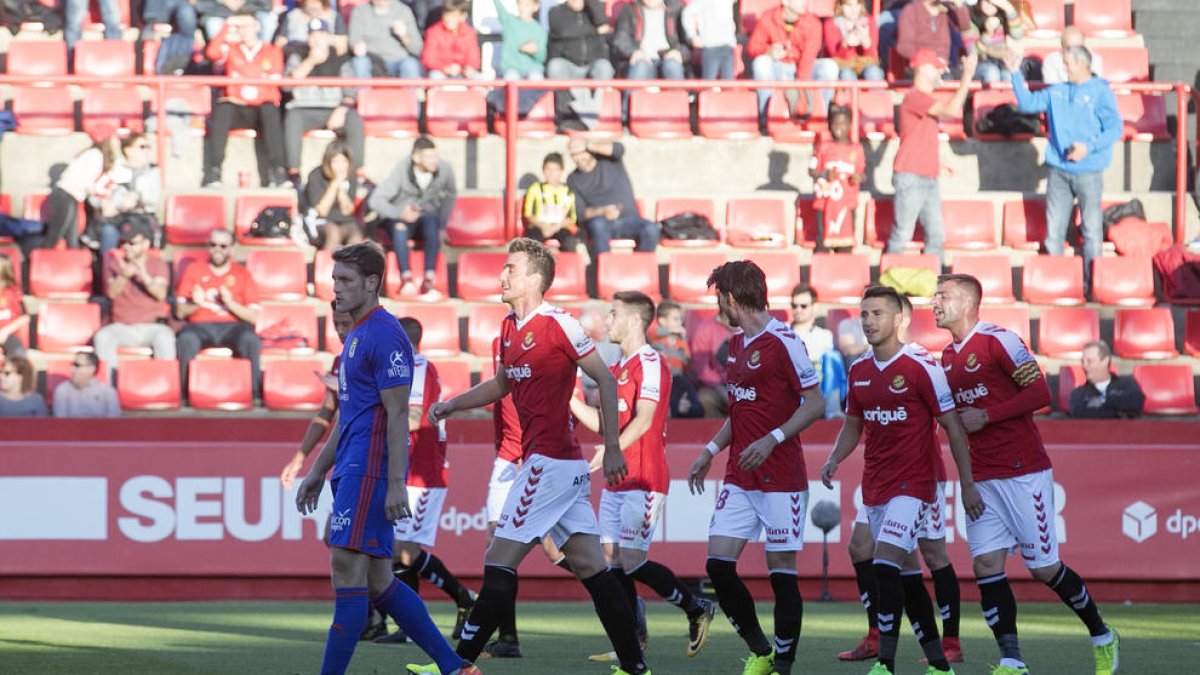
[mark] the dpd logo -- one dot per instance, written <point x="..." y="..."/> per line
<point x="1139" y="522"/>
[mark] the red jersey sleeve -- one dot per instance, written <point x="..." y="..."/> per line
<point x="247" y="290"/>
<point x="1008" y="349"/>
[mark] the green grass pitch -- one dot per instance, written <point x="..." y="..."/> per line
<point x="288" y="637"/>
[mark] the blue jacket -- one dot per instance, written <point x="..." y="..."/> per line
<point x="1075" y="113"/>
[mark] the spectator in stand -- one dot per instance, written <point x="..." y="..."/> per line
<point x="917" y="167"/>
<point x="549" y="208"/>
<point x="995" y="25"/>
<point x="1105" y="395"/>
<point x="243" y="55"/>
<point x="180" y="14"/>
<point x="577" y="49"/>
<point x="784" y="46"/>
<point x="593" y="318"/>
<point x="1054" y="68"/>
<point x="452" y="45"/>
<point x="649" y="40"/>
<point x="136" y="284"/>
<point x="214" y="13"/>
<point x="385" y="40"/>
<point x="12" y="310"/>
<point x="835" y="365"/>
<point x="133" y="186"/>
<point x="75" y="186"/>
<point x="329" y="194"/>
<point x="713" y="27"/>
<point x="930" y="24"/>
<point x="523" y="52"/>
<point x="298" y="21"/>
<point x="84" y="395"/>
<point x="838" y="168"/>
<point x="330" y="108"/>
<point x="887" y="23"/>
<point x="670" y="340"/>
<point x="708" y="341"/>
<point x="17" y="395"/>
<point x="219" y="302"/>
<point x="414" y="202"/>
<point x="1083" y="123"/>
<point x="76" y="12"/>
<point x="817" y="340"/>
<point x="604" y="197"/>
<point x="852" y="41"/>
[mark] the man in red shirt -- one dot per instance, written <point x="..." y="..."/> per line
<point x="916" y="169"/>
<point x="998" y="385"/>
<point x="773" y="396"/>
<point x="239" y="51"/>
<point x="784" y="46"/>
<point x="219" y="301"/>
<point x="452" y="45"/>
<point x="929" y="24"/>
<point x="897" y="391"/>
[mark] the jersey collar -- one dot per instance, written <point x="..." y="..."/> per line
<point x="627" y="359"/>
<point x="883" y="366"/>
<point x="747" y="339"/>
<point x="958" y="345"/>
<point x="541" y="309"/>
<point x="364" y="319"/>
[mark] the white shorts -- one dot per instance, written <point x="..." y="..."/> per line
<point x="744" y="514"/>
<point x="629" y="518"/>
<point x="934" y="526"/>
<point x="898" y="522"/>
<point x="504" y="473"/>
<point x="548" y="499"/>
<point x="1019" y="512"/>
<point x="426" y="506"/>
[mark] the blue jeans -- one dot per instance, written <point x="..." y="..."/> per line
<point x="427" y="228"/>
<point x="76" y="12"/>
<point x="917" y="196"/>
<point x="181" y="14"/>
<point x="870" y="73"/>
<point x="716" y="63"/>
<point x="1062" y="189"/>
<point x="766" y="68"/>
<point x="670" y="69"/>
<point x="826" y="70"/>
<point x="408" y="67"/>
<point x="991" y="72"/>
<point x="602" y="230"/>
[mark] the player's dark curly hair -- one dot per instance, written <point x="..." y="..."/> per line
<point x="640" y="303"/>
<point x="744" y="281"/>
<point x="541" y="262"/>
<point x="366" y="257"/>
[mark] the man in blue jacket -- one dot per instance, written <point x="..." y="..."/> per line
<point x="1082" y="117"/>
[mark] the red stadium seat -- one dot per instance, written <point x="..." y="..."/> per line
<point x="184" y="257"/>
<point x="1048" y="17"/>
<point x="924" y="331"/>
<point x="806" y="223"/>
<point x="1123" y="280"/>
<point x="1125" y="64"/>
<point x="333" y="344"/>
<point x="1062" y="331"/>
<point x="609" y="123"/>
<point x="323" y="275"/>
<point x="627" y="271"/>
<point x="439" y="327"/>
<point x="1144" y="333"/>
<point x="1069" y="377"/>
<point x="730" y="113"/>
<point x="454" y="376"/>
<point x="782" y="272"/>
<point x="280" y="274"/>
<point x="66" y="326"/>
<point x="670" y="206"/>
<point x="43" y="111"/>
<point x="877" y="114"/>
<point x="1015" y="319"/>
<point x="56" y="371"/>
<point x="1104" y="18"/>
<point x="1191" y="333"/>
<point x="984" y="102"/>
<point x="293" y="384"/>
<point x="994" y="273"/>
<point x="660" y="114"/>
<point x="479" y="275"/>
<point x="247" y="207"/>
<point x="148" y="384"/>
<point x="836" y="315"/>
<point x="925" y="261"/>
<point x="782" y="126"/>
<point x="1053" y="280"/>
<point x="1024" y="224"/>
<point x="37" y="58"/>
<point x="757" y="223"/>
<point x="416" y="263"/>
<point x="880" y="219"/>
<point x="970" y="224"/>
<point x="477" y="221"/>
<point x="190" y="218"/>
<point x="219" y="384"/>
<point x="538" y="123"/>
<point x="951" y="126"/>
<point x="839" y="277"/>
<point x="483" y="325"/>
<point x="570" y="278"/>
<point x="1169" y="389"/>
<point x="102" y="60"/>
<point x="389" y="112"/>
<point x="35" y="206"/>
<point x="60" y="273"/>
<point x="121" y="108"/>
<point x="1144" y="115"/>
<point x="288" y="319"/>
<point x="687" y="275"/>
<point x="456" y="113"/>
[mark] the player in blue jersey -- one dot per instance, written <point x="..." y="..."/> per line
<point x="368" y="451"/>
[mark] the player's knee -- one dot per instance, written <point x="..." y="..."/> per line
<point x="861" y="548"/>
<point x="1046" y="574"/>
<point x="987" y="566"/>
<point x="934" y="553"/>
<point x="721" y="571"/>
<point x="630" y="559"/>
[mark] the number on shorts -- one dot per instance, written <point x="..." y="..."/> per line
<point x="721" y="498"/>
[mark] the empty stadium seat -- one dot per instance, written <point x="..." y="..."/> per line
<point x="247" y="207"/>
<point x="1104" y="18"/>
<point x="43" y="111"/>
<point x="190" y="218"/>
<point x="104" y="59"/>
<point x="1062" y="331"/>
<point x="291" y="320"/>
<point x="924" y="331"/>
<point x="456" y="113"/>
<point x="36" y="58"/>
<point x="1191" y="333"/>
<point x="1024" y="224"/>
<point x="570" y="278"/>
<point x="806" y="223"/>
<point x="730" y="113"/>
<point x="1015" y="319"/>
<point x="782" y="272"/>
<point x="60" y="273"/>
<point x="1144" y="333"/>
<point x="1053" y="280"/>
<point x="483" y="325"/>
<point x="66" y="326"/>
<point x="782" y="127"/>
<point x="925" y="261"/>
<point x="880" y="218"/>
<point x="416" y="262"/>
<point x="537" y="123"/>
<point x="1069" y="377"/>
<point x="757" y="223"/>
<point x="280" y="274"/>
<point x="219" y="384"/>
<point x="660" y="114"/>
<point x="333" y="344"/>
<point x="687" y="275"/>
<point x="1144" y="115"/>
<point x="625" y="271"/>
<point x="876" y="114"/>
<point x="148" y="384"/>
<point x="439" y="327"/>
<point x="970" y="224"/>
<point x="293" y="384"/>
<point x="118" y="107"/>
<point x="994" y="273"/>
<point x="1169" y="389"/>
<point x="389" y="112"/>
<point x="670" y="206"/>
<point x="839" y="277"/>
<point x="477" y="221"/>
<point x="323" y="275"/>
<point x="479" y="275"/>
<point x="983" y="102"/>
<point x="454" y="376"/>
<point x="194" y="101"/>
<point x="1049" y="17"/>
<point x="1125" y="64"/>
<point x="1123" y="280"/>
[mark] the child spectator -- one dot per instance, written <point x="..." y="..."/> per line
<point x="132" y="186"/>
<point x="12" y="310"/>
<point x="670" y="340"/>
<point x="838" y="169"/>
<point x="549" y="208"/>
<point x="451" y="45"/>
<point x="713" y="26"/>
<point x="523" y="54"/>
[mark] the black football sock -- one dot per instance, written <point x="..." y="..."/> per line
<point x="868" y="590"/>
<point x="891" y="605"/>
<point x="507" y="630"/>
<point x="945" y="589"/>
<point x="432" y="568"/>
<point x="499" y="592"/>
<point x="408" y="575"/>
<point x="617" y="617"/>
<point x="789" y="614"/>
<point x="1071" y="589"/>
<point x="626" y="585"/>
<point x="919" y="608"/>
<point x="663" y="581"/>
<point x="1000" y="613"/>
<point x="737" y="603"/>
